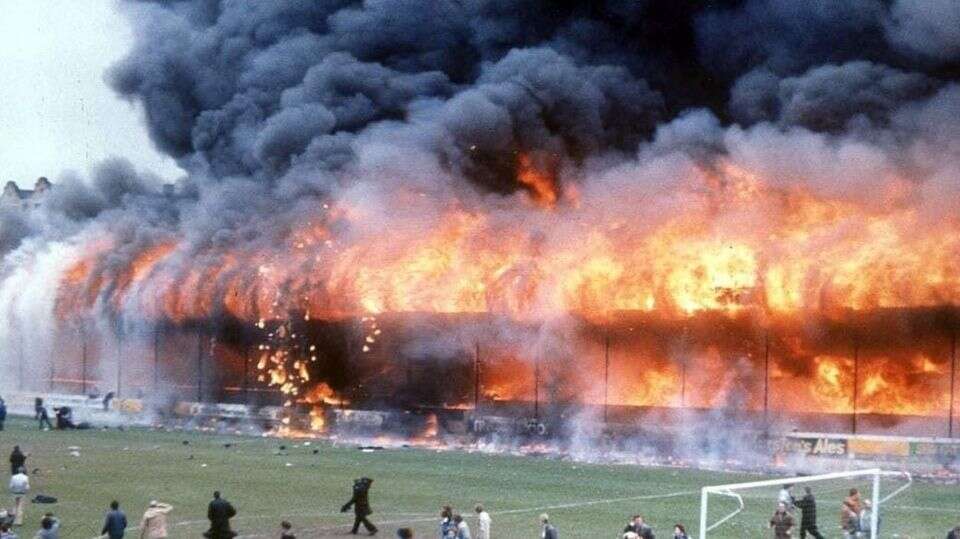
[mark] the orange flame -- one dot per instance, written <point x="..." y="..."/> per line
<point x="723" y="240"/>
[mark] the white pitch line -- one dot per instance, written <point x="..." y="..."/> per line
<point x="512" y="511"/>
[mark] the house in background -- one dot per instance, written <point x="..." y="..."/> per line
<point x="26" y="199"/>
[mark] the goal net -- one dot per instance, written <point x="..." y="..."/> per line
<point x="744" y="509"/>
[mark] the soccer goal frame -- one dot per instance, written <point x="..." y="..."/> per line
<point x="729" y="490"/>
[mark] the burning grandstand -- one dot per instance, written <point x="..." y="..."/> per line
<point x="383" y="214"/>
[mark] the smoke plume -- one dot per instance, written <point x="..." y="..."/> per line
<point x="523" y="159"/>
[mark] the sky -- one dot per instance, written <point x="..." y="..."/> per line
<point x="56" y="111"/>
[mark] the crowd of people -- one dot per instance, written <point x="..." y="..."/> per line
<point x="856" y="517"/>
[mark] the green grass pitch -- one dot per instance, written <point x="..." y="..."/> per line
<point x="585" y="501"/>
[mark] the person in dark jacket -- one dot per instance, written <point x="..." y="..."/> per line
<point x="3" y="412"/>
<point x="954" y="533"/>
<point x="286" y="531"/>
<point x="17" y="460"/>
<point x="49" y="527"/>
<point x="679" y="532"/>
<point x="219" y="512"/>
<point x="116" y="522"/>
<point x="40" y="414"/>
<point x="361" y="506"/>
<point x="638" y="526"/>
<point x="808" y="514"/>
<point x="549" y="531"/>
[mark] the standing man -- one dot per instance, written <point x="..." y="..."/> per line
<point x="549" y="531"/>
<point x="786" y="497"/>
<point x="19" y="487"/>
<point x="116" y="522"/>
<point x="850" y="514"/>
<point x="17" y="460"/>
<point x="782" y="522"/>
<point x="638" y="526"/>
<point x="463" y="530"/>
<point x="808" y="516"/>
<point x="361" y="506"/>
<point x="153" y="525"/>
<point x="219" y="512"/>
<point x="484" y="521"/>
<point x="41" y="414"/>
<point x="866" y="520"/>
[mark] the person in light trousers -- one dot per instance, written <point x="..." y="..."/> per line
<point x="19" y="487"/>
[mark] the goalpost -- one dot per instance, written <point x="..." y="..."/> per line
<point x="729" y="490"/>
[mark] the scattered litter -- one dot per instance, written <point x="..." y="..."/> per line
<point x="204" y="465"/>
<point x="306" y="444"/>
<point x="73" y="448"/>
<point x="74" y="453"/>
<point x="185" y="442"/>
<point x="288" y="464"/>
<point x="370" y="448"/>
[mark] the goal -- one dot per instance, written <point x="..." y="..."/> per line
<point x="736" y="492"/>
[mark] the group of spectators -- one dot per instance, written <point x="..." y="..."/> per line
<point x="453" y="525"/>
<point x="638" y="528"/>
<point x="856" y="515"/>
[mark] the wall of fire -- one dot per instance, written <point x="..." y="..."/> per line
<point x="895" y="369"/>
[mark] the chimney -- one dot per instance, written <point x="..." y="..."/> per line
<point x="11" y="190"/>
<point x="43" y="184"/>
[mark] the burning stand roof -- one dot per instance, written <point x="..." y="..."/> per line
<point x="355" y="162"/>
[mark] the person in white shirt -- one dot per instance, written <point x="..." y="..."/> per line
<point x="463" y="530"/>
<point x="19" y="487"/>
<point x="483" y="522"/>
<point x="786" y="497"/>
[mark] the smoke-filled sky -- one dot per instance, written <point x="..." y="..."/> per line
<point x="519" y="156"/>
<point x="57" y="112"/>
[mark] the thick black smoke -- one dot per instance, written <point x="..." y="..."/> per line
<point x="275" y="108"/>
<point x="254" y="88"/>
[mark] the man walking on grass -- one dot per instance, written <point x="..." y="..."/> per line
<point x="361" y="506"/>
<point x="782" y="522"/>
<point x="484" y="521"/>
<point x="116" y="522"/>
<point x="17" y="460"/>
<point x="19" y="487"/>
<point x="219" y="512"/>
<point x="153" y="525"/>
<point x="808" y="516"/>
